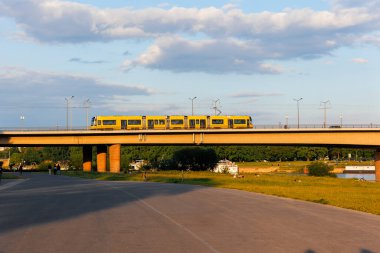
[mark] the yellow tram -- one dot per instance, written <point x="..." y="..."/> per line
<point x="170" y="122"/>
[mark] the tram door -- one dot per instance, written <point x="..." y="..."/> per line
<point x="150" y="124"/>
<point x="230" y="123"/>
<point x="192" y="123"/>
<point x="123" y="124"/>
<point x="203" y="123"/>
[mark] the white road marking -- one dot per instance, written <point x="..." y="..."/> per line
<point x="4" y="186"/>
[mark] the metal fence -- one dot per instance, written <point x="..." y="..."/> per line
<point x="281" y="126"/>
<point x="278" y="126"/>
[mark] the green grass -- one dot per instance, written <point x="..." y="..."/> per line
<point x="345" y="193"/>
<point x="9" y="176"/>
<point x="300" y="164"/>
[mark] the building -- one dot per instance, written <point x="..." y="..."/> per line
<point x="359" y="169"/>
<point x="137" y="165"/>
<point x="226" y="166"/>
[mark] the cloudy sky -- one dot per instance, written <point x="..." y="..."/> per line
<point x="149" y="57"/>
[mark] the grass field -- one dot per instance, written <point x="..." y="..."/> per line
<point x="9" y="176"/>
<point x="346" y="193"/>
<point x="293" y="166"/>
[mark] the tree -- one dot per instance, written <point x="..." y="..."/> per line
<point x="76" y="157"/>
<point x="195" y="158"/>
<point x="320" y="169"/>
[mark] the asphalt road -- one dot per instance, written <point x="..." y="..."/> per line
<point x="60" y="214"/>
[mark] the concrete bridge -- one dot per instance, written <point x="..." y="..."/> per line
<point x="110" y="141"/>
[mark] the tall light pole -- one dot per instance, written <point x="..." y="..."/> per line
<point x="298" y="110"/>
<point x="326" y="105"/>
<point x="286" y="120"/>
<point x="87" y="105"/>
<point x="341" y="120"/>
<point x="67" y="112"/>
<point x="22" y="118"/>
<point x="192" y="105"/>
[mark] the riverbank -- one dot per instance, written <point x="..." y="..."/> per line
<point x="293" y="166"/>
<point x="346" y="193"/>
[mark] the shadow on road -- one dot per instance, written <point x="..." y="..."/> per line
<point x="44" y="199"/>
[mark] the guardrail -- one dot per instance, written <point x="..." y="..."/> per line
<point x="279" y="126"/>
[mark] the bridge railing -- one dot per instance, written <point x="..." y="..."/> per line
<point x="76" y="128"/>
<point x="282" y="126"/>
<point x="262" y="126"/>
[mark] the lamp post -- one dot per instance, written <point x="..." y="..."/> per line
<point x="286" y="120"/>
<point x="67" y="112"/>
<point x="22" y="118"/>
<point x="341" y="120"/>
<point x="298" y="110"/>
<point x="87" y="105"/>
<point x="192" y="105"/>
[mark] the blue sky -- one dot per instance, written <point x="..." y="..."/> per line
<point x="150" y="57"/>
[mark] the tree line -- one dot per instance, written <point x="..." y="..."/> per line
<point x="181" y="157"/>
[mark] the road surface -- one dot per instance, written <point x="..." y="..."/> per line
<point x="61" y="214"/>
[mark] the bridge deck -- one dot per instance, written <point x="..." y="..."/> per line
<point x="355" y="137"/>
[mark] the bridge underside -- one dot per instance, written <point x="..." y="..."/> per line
<point x="101" y="158"/>
<point x="377" y="165"/>
<point x="114" y="159"/>
<point x="110" y="141"/>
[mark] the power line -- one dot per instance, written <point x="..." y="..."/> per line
<point x="215" y="107"/>
<point x="298" y="110"/>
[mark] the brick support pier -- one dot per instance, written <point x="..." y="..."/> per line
<point x="114" y="154"/>
<point x="87" y="158"/>
<point x="377" y="165"/>
<point x="101" y="158"/>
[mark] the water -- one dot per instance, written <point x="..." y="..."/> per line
<point x="368" y="177"/>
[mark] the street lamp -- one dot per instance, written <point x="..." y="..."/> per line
<point x="67" y="112"/>
<point x="298" y="111"/>
<point x="87" y="105"/>
<point x="341" y="120"/>
<point x="22" y="118"/>
<point x="192" y="105"/>
<point x="286" y="120"/>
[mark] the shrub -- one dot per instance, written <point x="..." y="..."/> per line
<point x="44" y="165"/>
<point x="320" y="169"/>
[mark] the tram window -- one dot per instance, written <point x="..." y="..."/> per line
<point x="217" y="121"/>
<point x="239" y="121"/>
<point x="177" y="122"/>
<point x="134" y="122"/>
<point x="156" y="122"/>
<point x="99" y="122"/>
<point x="162" y="122"/>
<point x="197" y="121"/>
<point x="109" y="122"/>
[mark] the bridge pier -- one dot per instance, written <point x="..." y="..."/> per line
<point x="377" y="165"/>
<point x="87" y="158"/>
<point x="101" y="158"/>
<point x="114" y="154"/>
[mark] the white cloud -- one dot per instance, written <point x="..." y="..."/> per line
<point x="21" y="83"/>
<point x="251" y="94"/>
<point x="360" y="60"/>
<point x="80" y="60"/>
<point x="62" y="21"/>
<point x="373" y="39"/>
<point x="228" y="39"/>
<point x="212" y="56"/>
